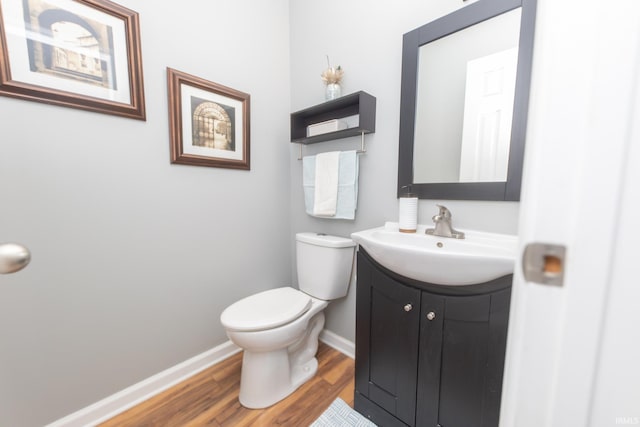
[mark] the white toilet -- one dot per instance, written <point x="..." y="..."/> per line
<point x="278" y="329"/>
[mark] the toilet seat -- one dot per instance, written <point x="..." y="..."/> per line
<point x="266" y="310"/>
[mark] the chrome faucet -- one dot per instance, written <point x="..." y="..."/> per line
<point x="443" y="225"/>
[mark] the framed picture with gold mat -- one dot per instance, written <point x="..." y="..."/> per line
<point x="75" y="53"/>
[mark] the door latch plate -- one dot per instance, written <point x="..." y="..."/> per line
<point x="544" y="263"/>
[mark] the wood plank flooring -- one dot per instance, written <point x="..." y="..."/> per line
<point x="210" y="398"/>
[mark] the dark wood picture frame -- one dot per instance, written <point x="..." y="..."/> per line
<point x="83" y="54"/>
<point x="208" y="122"/>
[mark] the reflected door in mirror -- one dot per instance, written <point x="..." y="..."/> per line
<point x="488" y="108"/>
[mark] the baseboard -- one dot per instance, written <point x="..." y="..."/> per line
<point x="341" y="344"/>
<point x="121" y="401"/>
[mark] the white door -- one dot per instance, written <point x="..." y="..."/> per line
<point x="573" y="353"/>
<point x="488" y="111"/>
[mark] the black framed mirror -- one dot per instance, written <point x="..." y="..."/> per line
<point x="464" y="102"/>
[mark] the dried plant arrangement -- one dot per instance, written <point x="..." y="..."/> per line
<point x="332" y="75"/>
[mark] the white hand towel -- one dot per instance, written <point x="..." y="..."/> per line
<point x="326" y="194"/>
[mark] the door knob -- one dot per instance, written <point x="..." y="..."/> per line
<point x="13" y="257"/>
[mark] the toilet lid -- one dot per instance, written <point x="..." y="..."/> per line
<point x="266" y="310"/>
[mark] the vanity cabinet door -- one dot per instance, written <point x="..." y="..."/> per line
<point x="428" y="397"/>
<point x="387" y="337"/>
<point x="462" y="345"/>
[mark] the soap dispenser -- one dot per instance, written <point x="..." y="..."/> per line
<point x="408" y="211"/>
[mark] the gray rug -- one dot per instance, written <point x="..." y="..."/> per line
<point x="339" y="414"/>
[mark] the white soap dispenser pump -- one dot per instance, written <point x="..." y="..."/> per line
<point x="408" y="211"/>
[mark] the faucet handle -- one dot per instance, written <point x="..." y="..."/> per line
<point x="443" y="212"/>
<point x="443" y="225"/>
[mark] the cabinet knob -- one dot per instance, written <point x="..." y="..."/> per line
<point x="431" y="315"/>
<point x="408" y="307"/>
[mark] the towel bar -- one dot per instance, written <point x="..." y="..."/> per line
<point x="362" y="149"/>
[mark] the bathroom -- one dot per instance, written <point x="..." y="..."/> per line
<point x="135" y="258"/>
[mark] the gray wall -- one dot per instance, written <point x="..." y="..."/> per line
<point x="365" y="38"/>
<point x="133" y="258"/>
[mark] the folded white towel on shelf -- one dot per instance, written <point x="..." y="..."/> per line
<point x="347" y="185"/>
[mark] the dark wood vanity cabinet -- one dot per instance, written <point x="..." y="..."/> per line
<point x="428" y="355"/>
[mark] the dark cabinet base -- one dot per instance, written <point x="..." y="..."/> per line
<point x="375" y="413"/>
<point x="428" y="355"/>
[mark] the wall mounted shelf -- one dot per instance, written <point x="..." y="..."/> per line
<point x="359" y="104"/>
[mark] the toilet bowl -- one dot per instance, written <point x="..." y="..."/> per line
<point x="278" y="329"/>
<point x="277" y="360"/>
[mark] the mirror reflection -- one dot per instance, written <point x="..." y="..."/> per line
<point x="464" y="103"/>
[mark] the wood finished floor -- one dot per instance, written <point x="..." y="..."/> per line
<point x="210" y="398"/>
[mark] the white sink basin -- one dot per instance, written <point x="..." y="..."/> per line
<point x="478" y="258"/>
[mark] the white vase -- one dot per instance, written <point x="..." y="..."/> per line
<point x="332" y="91"/>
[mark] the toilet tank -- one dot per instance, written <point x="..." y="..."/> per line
<point x="324" y="264"/>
